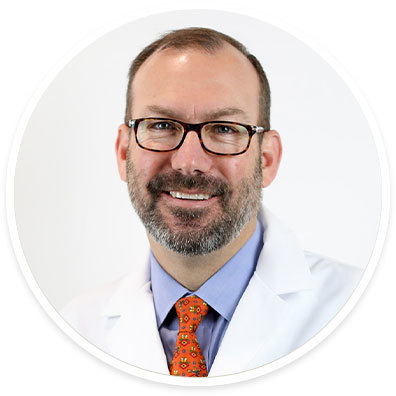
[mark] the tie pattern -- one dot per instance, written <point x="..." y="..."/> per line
<point x="188" y="360"/>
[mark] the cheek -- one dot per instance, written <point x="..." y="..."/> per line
<point x="237" y="168"/>
<point x="147" y="164"/>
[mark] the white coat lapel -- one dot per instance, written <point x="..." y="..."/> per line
<point x="134" y="337"/>
<point x="261" y="317"/>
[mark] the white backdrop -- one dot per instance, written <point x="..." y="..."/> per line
<point x="74" y="218"/>
<point x="36" y="356"/>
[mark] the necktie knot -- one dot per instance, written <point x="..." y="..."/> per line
<point x="190" y="311"/>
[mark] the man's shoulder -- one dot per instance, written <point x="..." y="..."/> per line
<point x="91" y="304"/>
<point x="324" y="266"/>
<point x="332" y="277"/>
<point x="110" y="294"/>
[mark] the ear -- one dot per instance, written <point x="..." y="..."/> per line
<point x="271" y="151"/>
<point x="121" y="147"/>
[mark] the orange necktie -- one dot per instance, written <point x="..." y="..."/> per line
<point x="188" y="360"/>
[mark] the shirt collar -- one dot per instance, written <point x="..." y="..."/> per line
<point x="222" y="291"/>
<point x="166" y="290"/>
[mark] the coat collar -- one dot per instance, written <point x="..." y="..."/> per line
<point x="125" y="292"/>
<point x="281" y="265"/>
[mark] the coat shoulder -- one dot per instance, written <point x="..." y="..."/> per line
<point x="324" y="268"/>
<point x="87" y="309"/>
<point x="334" y="281"/>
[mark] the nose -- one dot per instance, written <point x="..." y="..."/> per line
<point x="191" y="158"/>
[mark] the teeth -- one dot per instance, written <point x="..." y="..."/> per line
<point x="177" y="194"/>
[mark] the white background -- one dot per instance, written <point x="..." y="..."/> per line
<point x="75" y="221"/>
<point x="37" y="357"/>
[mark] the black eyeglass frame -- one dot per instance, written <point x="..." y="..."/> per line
<point x="252" y="129"/>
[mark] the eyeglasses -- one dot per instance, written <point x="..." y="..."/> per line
<point x="216" y="137"/>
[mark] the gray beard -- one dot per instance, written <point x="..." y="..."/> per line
<point x="201" y="241"/>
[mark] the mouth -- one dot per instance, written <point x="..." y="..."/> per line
<point x="189" y="196"/>
<point x="200" y="191"/>
<point x="190" y="199"/>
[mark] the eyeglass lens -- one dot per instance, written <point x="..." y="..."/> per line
<point x="219" y="137"/>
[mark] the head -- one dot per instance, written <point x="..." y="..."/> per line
<point x="192" y="201"/>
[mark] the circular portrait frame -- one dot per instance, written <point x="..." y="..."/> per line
<point x="36" y="132"/>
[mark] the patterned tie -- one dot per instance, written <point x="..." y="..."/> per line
<point x="188" y="360"/>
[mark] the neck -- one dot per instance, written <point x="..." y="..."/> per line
<point x="193" y="272"/>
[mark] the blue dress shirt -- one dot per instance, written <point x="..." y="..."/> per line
<point x="221" y="292"/>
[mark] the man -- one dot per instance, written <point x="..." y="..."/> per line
<point x="226" y="287"/>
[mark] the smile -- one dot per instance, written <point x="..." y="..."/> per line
<point x="181" y="195"/>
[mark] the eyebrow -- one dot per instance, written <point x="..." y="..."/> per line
<point x="210" y="116"/>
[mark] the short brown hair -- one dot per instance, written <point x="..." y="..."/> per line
<point x="209" y="40"/>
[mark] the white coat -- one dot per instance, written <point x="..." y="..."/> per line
<point x="291" y="296"/>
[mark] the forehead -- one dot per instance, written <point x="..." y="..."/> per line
<point x="193" y="82"/>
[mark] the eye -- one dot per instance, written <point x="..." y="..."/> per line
<point x="224" y="129"/>
<point x="161" y="125"/>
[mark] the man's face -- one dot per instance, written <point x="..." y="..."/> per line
<point x="194" y="86"/>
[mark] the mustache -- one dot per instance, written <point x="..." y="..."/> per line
<point x="175" y="181"/>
